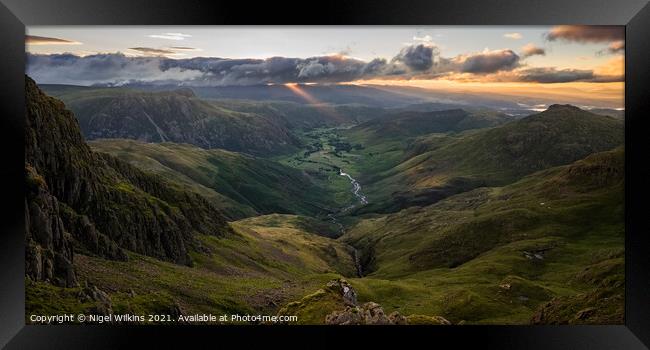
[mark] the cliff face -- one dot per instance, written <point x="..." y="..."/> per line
<point x="97" y="203"/>
<point x="48" y="247"/>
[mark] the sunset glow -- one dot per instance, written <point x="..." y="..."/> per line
<point x="576" y="64"/>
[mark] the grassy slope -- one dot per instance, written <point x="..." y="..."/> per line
<point x="464" y="257"/>
<point x="397" y="173"/>
<point x="454" y="258"/>
<point x="242" y="185"/>
<point x="305" y="117"/>
<point x="268" y="262"/>
<point x="321" y="160"/>
<point x="413" y="123"/>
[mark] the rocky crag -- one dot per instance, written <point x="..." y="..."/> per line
<point x="80" y="200"/>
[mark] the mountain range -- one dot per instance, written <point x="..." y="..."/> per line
<point x="366" y="207"/>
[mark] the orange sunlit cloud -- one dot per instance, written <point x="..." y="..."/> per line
<point x="44" y="40"/>
<point x="615" y="66"/>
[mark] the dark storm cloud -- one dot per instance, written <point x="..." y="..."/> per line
<point x="489" y="62"/>
<point x="417" y="57"/>
<point x="586" y="34"/>
<point x="552" y="75"/>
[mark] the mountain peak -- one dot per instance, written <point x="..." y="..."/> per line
<point x="562" y="107"/>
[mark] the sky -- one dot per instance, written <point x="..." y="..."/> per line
<point x="526" y="60"/>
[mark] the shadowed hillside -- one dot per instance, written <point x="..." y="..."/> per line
<point x="77" y="195"/>
<point x="174" y="116"/>
<point x="437" y="166"/>
<point x="240" y="184"/>
<point x="500" y="253"/>
<point x="411" y="123"/>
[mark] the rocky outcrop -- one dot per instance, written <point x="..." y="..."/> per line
<point x="368" y="313"/>
<point x="337" y="304"/>
<point x="346" y="291"/>
<point x="52" y="230"/>
<point x="103" y="305"/>
<point x="48" y="247"/>
<point x="96" y="203"/>
<point x="600" y="306"/>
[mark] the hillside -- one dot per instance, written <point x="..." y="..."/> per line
<point x="332" y="94"/>
<point x="497" y="254"/>
<point x="471" y="218"/>
<point x="239" y="184"/>
<point x="173" y="116"/>
<point x="437" y="166"/>
<point x="300" y="117"/>
<point x="267" y="262"/>
<point x="412" y="123"/>
<point x="78" y="200"/>
<point x="98" y="227"/>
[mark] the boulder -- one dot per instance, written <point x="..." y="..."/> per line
<point x="345" y="289"/>
<point x="367" y="314"/>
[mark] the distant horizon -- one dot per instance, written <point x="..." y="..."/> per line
<point x="584" y="64"/>
<point x="505" y="96"/>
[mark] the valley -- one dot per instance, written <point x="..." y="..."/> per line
<point x="462" y="216"/>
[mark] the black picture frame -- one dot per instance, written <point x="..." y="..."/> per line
<point x="634" y="14"/>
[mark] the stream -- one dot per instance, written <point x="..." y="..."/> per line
<point x="356" y="190"/>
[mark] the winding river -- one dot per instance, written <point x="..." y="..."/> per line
<point x="356" y="190"/>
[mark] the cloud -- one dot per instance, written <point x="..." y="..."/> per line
<point x="278" y="70"/>
<point x="43" y="40"/>
<point x="184" y="48"/>
<point x="613" y="67"/>
<point x="417" y="57"/>
<point x="617" y="46"/>
<point x="532" y="50"/>
<point x="614" y="47"/>
<point x="171" y="36"/>
<point x="488" y="62"/>
<point x="115" y="68"/>
<point x="416" y="61"/>
<point x="152" y="51"/>
<point x="426" y="38"/>
<point x="586" y="33"/>
<point x="515" y="36"/>
<point x="547" y="75"/>
<point x="553" y="75"/>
